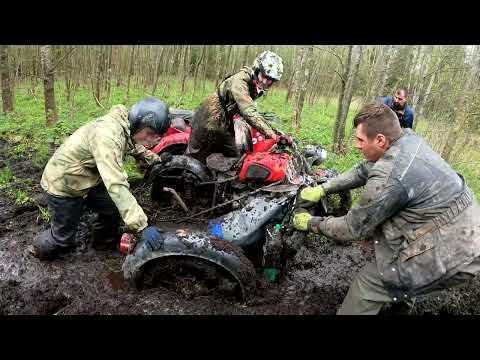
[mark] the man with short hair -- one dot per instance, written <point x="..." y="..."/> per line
<point x="398" y="103"/>
<point x="423" y="218"/>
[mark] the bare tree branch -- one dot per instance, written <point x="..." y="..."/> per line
<point x="62" y="58"/>
<point x="334" y="54"/>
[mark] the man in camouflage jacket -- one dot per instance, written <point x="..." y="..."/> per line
<point x="423" y="218"/>
<point x="88" y="170"/>
<point x="213" y="128"/>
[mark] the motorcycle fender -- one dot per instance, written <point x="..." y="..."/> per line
<point x="197" y="245"/>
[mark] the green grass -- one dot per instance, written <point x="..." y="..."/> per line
<point x="6" y="176"/>
<point x="27" y="131"/>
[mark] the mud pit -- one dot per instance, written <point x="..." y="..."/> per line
<point x="90" y="282"/>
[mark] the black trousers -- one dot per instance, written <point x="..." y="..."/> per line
<point x="65" y="217"/>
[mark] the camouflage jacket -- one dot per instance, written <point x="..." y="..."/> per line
<point x="238" y="93"/>
<point x="94" y="153"/>
<point x="424" y="220"/>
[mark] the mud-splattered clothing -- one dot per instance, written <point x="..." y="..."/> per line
<point x="424" y="220"/>
<point x="93" y="154"/>
<point x="213" y="124"/>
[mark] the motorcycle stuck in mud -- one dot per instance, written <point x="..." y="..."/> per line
<point x="248" y="202"/>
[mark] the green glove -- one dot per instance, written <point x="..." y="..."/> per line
<point x="300" y="220"/>
<point x="313" y="194"/>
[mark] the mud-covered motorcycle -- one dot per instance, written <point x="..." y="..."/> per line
<point x="248" y="201"/>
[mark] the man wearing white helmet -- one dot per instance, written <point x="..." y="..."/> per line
<point x="218" y="120"/>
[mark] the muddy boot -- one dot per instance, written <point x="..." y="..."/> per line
<point x="60" y="238"/>
<point x="44" y="248"/>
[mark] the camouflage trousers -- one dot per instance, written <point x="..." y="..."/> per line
<point x="367" y="294"/>
<point x="208" y="140"/>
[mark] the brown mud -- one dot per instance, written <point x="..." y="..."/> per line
<point x="89" y="281"/>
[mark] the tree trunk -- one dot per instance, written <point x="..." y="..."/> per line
<point x="100" y="75"/>
<point x="218" y="59"/>
<point x="68" y="74"/>
<point x="197" y="68"/>
<point x="413" y="68"/>
<point x="433" y="71"/>
<point x="168" y="77"/>
<point x="48" y="84"/>
<point x="345" y="98"/>
<point x="296" y="73"/>
<point x="157" y="74"/>
<point x="245" y="55"/>
<point x="7" y="96"/>
<point x="118" y="65"/>
<point x="205" y="69"/>
<point x="377" y="59"/>
<point x="34" y="76"/>
<point x="304" y="69"/>
<point x="130" y="71"/>
<point x="226" y="62"/>
<point x="185" y="70"/>
<point x="108" y="78"/>
<point x="386" y="70"/>
<point x="419" y="83"/>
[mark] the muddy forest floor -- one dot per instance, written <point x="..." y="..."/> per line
<point x="90" y="282"/>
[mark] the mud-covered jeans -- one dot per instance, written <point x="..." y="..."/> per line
<point x="367" y="294"/>
<point x="65" y="217"/>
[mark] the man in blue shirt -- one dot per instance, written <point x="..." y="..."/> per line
<point x="398" y="103"/>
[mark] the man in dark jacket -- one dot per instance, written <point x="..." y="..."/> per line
<point x="398" y="103"/>
<point x="423" y="218"/>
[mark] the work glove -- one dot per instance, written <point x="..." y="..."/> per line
<point x="301" y="219"/>
<point x="152" y="237"/>
<point x="312" y="194"/>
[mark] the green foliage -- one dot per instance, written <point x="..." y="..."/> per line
<point x="21" y="197"/>
<point x="43" y="214"/>
<point x="132" y="169"/>
<point x="6" y="176"/>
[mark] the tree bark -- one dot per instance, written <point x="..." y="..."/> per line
<point x="108" y="78"/>
<point x="48" y="84"/>
<point x="100" y="75"/>
<point x="185" y="70"/>
<point x="296" y="73"/>
<point x="386" y="70"/>
<point x="157" y="74"/>
<point x="197" y="68"/>
<point x="304" y="70"/>
<point x="226" y="62"/>
<point x="130" y="71"/>
<point x="345" y="98"/>
<point x="7" y="96"/>
<point x="245" y="55"/>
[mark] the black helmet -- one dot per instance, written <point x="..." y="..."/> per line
<point x="149" y="112"/>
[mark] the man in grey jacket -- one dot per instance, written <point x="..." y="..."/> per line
<point x="421" y="215"/>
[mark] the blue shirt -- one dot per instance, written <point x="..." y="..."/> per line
<point x="406" y="120"/>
